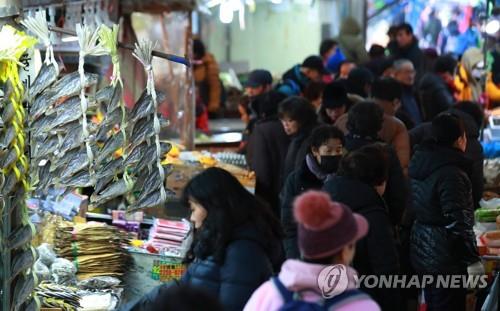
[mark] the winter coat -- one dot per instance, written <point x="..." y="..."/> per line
<point x="293" y="82"/>
<point x="467" y="86"/>
<point x="302" y="277"/>
<point x="414" y="54"/>
<point x="267" y="150"/>
<point x="376" y="253"/>
<point x="393" y="132"/>
<point x="246" y="266"/>
<point x="206" y="76"/>
<point x="442" y="240"/>
<point x="410" y="106"/>
<point x="434" y="96"/>
<point x="297" y="151"/>
<point x="474" y="151"/>
<point x="301" y="180"/>
<point x="351" y="41"/>
<point x="396" y="193"/>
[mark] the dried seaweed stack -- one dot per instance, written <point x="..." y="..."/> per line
<point x="96" y="249"/>
<point x="16" y="256"/>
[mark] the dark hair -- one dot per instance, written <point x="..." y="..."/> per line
<point x="322" y="134"/>
<point x="393" y="30"/>
<point x="376" y="51"/>
<point x="445" y="63"/>
<point x="266" y="105"/>
<point x="447" y="128"/>
<point x="298" y="109"/>
<point x="229" y="206"/>
<point x="314" y="90"/>
<point x="183" y="298"/>
<point x="388" y="62"/>
<point x="326" y="46"/>
<point x="406" y="27"/>
<point x="199" y="49"/>
<point x="387" y="89"/>
<point x="369" y="164"/>
<point x="365" y="119"/>
<point x="358" y="78"/>
<point x="473" y="109"/>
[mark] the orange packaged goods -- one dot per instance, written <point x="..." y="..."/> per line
<point x="491" y="238"/>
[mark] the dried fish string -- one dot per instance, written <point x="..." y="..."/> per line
<point x="109" y="40"/>
<point x="144" y="53"/>
<point x="38" y="26"/>
<point x="14" y="44"/>
<point x="87" y="39"/>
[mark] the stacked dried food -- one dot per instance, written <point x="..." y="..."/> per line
<point x="95" y="249"/>
<point x="58" y="296"/>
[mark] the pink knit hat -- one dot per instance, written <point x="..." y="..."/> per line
<point x="324" y="226"/>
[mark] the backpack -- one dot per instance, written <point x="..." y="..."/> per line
<point x="289" y="88"/>
<point x="293" y="304"/>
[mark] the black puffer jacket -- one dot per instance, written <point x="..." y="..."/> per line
<point x="396" y="194"/>
<point x="434" y="96"/>
<point x="474" y="150"/>
<point x="376" y="253"/>
<point x="297" y="182"/>
<point x="246" y="266"/>
<point x="442" y="239"/>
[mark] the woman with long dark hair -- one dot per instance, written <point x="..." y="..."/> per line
<point x="237" y="242"/>
<point x="237" y="239"/>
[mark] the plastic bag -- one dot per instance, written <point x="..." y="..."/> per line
<point x="63" y="272"/>
<point x="46" y="254"/>
<point x="41" y="270"/>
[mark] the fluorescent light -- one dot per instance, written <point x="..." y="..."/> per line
<point x="492" y="27"/>
<point x="70" y="39"/>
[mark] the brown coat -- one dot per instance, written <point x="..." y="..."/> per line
<point x="393" y="132"/>
<point x="208" y="73"/>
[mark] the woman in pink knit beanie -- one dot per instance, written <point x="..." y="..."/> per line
<point x="327" y="235"/>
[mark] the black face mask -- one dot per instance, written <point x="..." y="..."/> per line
<point x="330" y="164"/>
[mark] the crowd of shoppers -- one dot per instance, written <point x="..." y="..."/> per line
<point x="367" y="160"/>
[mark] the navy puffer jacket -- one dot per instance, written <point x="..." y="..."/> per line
<point x="246" y="266"/>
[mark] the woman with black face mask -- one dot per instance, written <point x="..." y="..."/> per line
<point x="326" y="145"/>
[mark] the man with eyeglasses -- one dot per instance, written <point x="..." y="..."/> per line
<point x="404" y="73"/>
